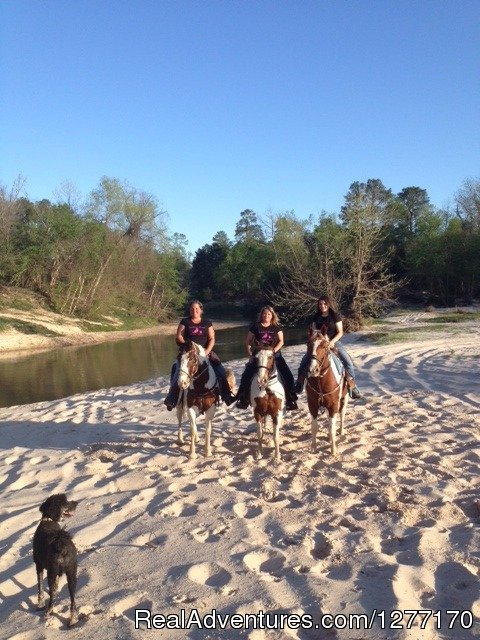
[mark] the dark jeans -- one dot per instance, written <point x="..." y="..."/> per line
<point x="286" y="376"/>
<point x="344" y="357"/>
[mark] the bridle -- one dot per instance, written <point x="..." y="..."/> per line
<point x="321" y="362"/>
<point x="268" y="369"/>
<point x="197" y="372"/>
<point x="192" y="376"/>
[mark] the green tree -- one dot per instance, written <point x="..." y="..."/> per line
<point x="248" y="227"/>
<point x="367" y="283"/>
<point x="467" y="201"/>
<point x="206" y="276"/>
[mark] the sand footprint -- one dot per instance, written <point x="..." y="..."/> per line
<point x="38" y="460"/>
<point x="209" y="574"/>
<point x="180" y="510"/>
<point x="23" y="483"/>
<point x="204" y="534"/>
<point x="126" y="606"/>
<point x="269" y="564"/>
<point x="243" y="510"/>
<point x="322" y="547"/>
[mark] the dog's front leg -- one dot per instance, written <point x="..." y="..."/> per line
<point x="41" y="599"/>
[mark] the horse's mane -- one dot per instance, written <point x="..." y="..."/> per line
<point x="315" y="335"/>
<point x="189" y="345"/>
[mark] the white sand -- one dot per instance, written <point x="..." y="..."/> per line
<point x="390" y="523"/>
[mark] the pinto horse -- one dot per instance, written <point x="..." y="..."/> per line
<point x="199" y="393"/>
<point x="267" y="397"/>
<point x="324" y="389"/>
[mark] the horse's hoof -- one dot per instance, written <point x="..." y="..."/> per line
<point x="193" y="456"/>
<point x="180" y="441"/>
<point x="208" y="454"/>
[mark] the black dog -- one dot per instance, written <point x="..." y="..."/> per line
<point x="53" y="550"/>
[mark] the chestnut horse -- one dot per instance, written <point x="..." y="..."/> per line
<point x="325" y="389"/>
<point x="267" y="397"/>
<point x="199" y="393"/>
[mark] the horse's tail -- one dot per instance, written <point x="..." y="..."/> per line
<point x="231" y="381"/>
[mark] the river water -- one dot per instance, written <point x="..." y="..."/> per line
<point x="50" y="375"/>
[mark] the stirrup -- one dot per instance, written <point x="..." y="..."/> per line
<point x="242" y="403"/>
<point x="170" y="404"/>
<point x="354" y="393"/>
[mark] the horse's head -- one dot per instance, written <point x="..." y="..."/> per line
<point x="265" y="361"/>
<point x="317" y="348"/>
<point x="192" y="356"/>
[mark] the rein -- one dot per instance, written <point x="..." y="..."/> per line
<point x="199" y="371"/>
<point x="320" y="393"/>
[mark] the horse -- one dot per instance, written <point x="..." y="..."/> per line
<point x="199" y="392"/>
<point x="325" y="390"/>
<point x="267" y="397"/>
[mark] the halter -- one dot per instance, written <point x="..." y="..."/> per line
<point x="270" y="369"/>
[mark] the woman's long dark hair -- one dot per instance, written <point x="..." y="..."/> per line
<point x="327" y="300"/>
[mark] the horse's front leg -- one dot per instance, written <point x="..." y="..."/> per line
<point x="193" y="433"/>
<point x="209" y="414"/>
<point x="277" y="422"/>
<point x="332" y="436"/>
<point x="314" y="430"/>
<point x="180" y="439"/>
<point x="260" y="426"/>
<point x="343" y="411"/>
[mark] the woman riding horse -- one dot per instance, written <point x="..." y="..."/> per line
<point x="266" y="331"/>
<point x="197" y="329"/>
<point x="328" y="322"/>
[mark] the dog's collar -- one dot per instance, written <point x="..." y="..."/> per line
<point x="47" y="518"/>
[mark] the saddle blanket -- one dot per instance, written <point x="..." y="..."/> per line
<point x="337" y="366"/>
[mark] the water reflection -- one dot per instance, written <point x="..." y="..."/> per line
<point x="51" y="375"/>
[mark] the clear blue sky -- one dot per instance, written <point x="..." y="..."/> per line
<point x="218" y="106"/>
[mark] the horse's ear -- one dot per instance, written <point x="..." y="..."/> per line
<point x="186" y="346"/>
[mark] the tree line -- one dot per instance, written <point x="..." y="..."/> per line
<point x="114" y="252"/>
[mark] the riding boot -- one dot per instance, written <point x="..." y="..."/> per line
<point x="299" y="383"/>
<point x="290" y="400"/>
<point x="242" y="396"/>
<point x="172" y="397"/>
<point x="353" y="390"/>
<point x="225" y="392"/>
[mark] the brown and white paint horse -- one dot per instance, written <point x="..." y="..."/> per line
<point x="267" y="397"/>
<point x="199" y="393"/>
<point x="323" y="390"/>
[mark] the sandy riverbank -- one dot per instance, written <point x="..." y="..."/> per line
<point x="390" y="524"/>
